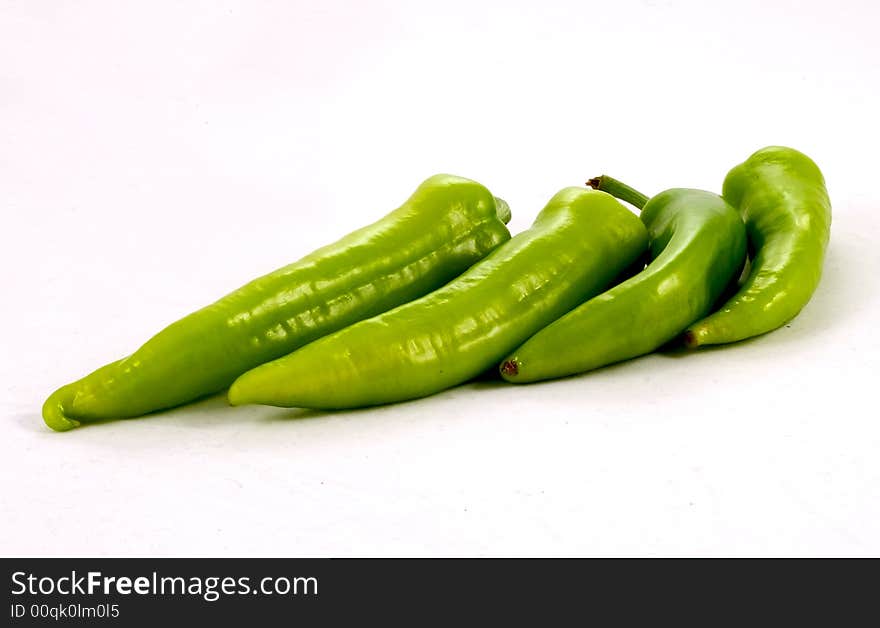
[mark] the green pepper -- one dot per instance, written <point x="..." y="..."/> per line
<point x="578" y="243"/>
<point x="781" y="195"/>
<point x="697" y="243"/>
<point x="442" y="229"/>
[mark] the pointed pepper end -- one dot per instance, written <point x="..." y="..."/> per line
<point x="54" y="416"/>
<point x="509" y="369"/>
<point x="691" y="338"/>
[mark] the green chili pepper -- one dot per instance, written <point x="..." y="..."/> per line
<point x="697" y="242"/>
<point x="781" y="195"/>
<point x="446" y="225"/>
<point x="576" y="246"/>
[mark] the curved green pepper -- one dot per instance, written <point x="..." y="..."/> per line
<point x="697" y="243"/>
<point x="443" y="228"/>
<point x="782" y="197"/>
<point x="576" y="246"/>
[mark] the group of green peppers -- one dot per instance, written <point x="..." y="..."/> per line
<point x="438" y="292"/>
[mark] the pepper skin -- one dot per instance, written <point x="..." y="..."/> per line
<point x="578" y="243"/>
<point x="781" y="195"/>
<point x="441" y="230"/>
<point x="698" y="243"/>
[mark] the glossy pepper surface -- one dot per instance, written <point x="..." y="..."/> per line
<point x="579" y="242"/>
<point x="782" y="197"/>
<point x="697" y="244"/>
<point x="442" y="229"/>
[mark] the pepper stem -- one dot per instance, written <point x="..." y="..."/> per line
<point x="619" y="190"/>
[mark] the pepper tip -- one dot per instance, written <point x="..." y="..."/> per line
<point x="691" y="339"/>
<point x="234" y="396"/>
<point x="502" y="209"/>
<point x="509" y="369"/>
<point x="54" y="416"/>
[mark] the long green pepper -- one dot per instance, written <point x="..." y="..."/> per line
<point x="578" y="243"/>
<point x="697" y="243"/>
<point x="781" y="195"/>
<point x="443" y="228"/>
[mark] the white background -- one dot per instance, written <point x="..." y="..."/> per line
<point x="156" y="155"/>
